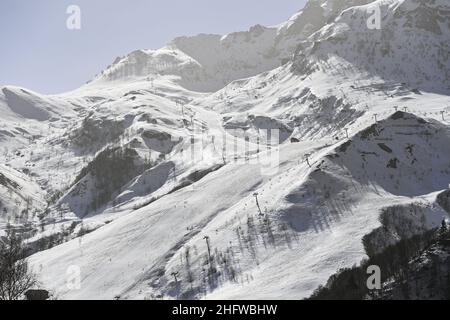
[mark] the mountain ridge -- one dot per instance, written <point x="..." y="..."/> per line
<point x="133" y="170"/>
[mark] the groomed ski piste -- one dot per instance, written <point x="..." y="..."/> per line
<point x="157" y="179"/>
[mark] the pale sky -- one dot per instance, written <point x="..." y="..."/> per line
<point x="38" y="52"/>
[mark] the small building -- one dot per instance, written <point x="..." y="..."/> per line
<point x="37" y="294"/>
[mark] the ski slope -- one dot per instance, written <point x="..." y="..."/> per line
<point x="133" y="175"/>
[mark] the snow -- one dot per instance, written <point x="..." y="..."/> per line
<point x="305" y="77"/>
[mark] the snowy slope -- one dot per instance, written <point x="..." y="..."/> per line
<point x="208" y="62"/>
<point x="21" y="199"/>
<point x="314" y="222"/>
<point x="26" y="115"/>
<point x="130" y="172"/>
<point x="412" y="46"/>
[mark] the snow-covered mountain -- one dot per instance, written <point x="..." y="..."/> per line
<point x="412" y="45"/>
<point x="160" y="179"/>
<point x="208" y="62"/>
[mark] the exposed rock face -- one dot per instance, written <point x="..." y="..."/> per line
<point x="414" y="30"/>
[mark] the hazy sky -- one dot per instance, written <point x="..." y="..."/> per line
<point x="38" y="52"/>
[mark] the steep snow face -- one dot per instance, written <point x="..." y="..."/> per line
<point x="208" y="62"/>
<point x="315" y="15"/>
<point x="20" y="104"/>
<point x="21" y="199"/>
<point x="412" y="45"/>
<point x="26" y="105"/>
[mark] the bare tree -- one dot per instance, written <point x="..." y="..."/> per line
<point x="15" y="276"/>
